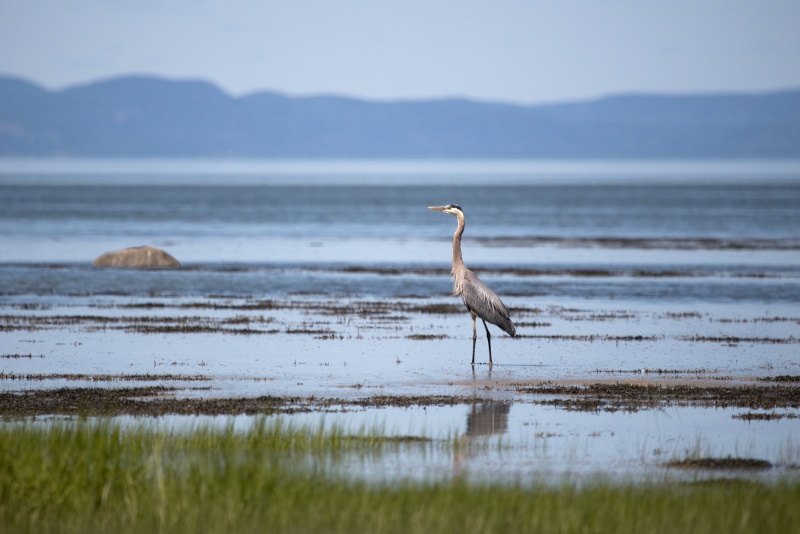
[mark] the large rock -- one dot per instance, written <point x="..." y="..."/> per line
<point x="137" y="258"/>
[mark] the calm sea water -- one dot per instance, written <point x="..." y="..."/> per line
<point x="717" y="231"/>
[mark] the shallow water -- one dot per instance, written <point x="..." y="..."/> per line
<point x="308" y="349"/>
<point x="330" y="280"/>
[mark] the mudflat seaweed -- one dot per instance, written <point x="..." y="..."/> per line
<point x="157" y="400"/>
<point x="153" y="401"/>
<point x="240" y="324"/>
<point x="737" y="339"/>
<point x="598" y="397"/>
<point x="721" y="464"/>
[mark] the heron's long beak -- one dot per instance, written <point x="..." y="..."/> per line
<point x="437" y="208"/>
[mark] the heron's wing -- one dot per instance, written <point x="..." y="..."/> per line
<point x="480" y="299"/>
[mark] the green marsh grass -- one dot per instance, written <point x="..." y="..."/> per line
<point x="103" y="476"/>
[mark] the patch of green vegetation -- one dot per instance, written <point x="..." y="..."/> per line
<point x="101" y="476"/>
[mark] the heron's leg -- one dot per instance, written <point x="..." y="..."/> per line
<point x="488" y="340"/>
<point x="474" y="337"/>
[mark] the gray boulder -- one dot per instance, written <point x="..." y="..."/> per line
<point x="137" y="258"/>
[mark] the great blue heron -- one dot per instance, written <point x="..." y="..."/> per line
<point x="478" y="298"/>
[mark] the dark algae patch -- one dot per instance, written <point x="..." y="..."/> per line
<point x="635" y="397"/>
<point x="161" y="400"/>
<point x="780" y="378"/>
<point x="732" y="340"/>
<point x="104" y="377"/>
<point x="772" y="416"/>
<point x="648" y="371"/>
<point x="588" y="337"/>
<point x="140" y="325"/>
<point x="142" y="401"/>
<point x="722" y="464"/>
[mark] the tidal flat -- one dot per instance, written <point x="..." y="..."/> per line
<point x="583" y="391"/>
<point x="306" y="371"/>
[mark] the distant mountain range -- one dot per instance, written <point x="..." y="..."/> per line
<point x="150" y="117"/>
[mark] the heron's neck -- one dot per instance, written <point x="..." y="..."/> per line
<point x="458" y="262"/>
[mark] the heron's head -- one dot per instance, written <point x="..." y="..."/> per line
<point x="452" y="209"/>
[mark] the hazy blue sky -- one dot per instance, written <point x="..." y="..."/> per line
<point x="510" y="50"/>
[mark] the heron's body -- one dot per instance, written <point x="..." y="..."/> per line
<point x="479" y="299"/>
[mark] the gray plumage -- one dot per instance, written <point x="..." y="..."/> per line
<point x="479" y="299"/>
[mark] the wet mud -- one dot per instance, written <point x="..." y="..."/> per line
<point x="156" y="400"/>
<point x="634" y="397"/>
<point x="737" y="340"/>
<point x="141" y="325"/>
<point x="151" y="401"/>
<point x="75" y="377"/>
<point x="772" y="416"/>
<point x="160" y="400"/>
<point x="722" y="464"/>
<point x="590" y="338"/>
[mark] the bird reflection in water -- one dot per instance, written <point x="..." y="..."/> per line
<point x="485" y="419"/>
